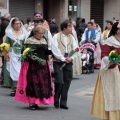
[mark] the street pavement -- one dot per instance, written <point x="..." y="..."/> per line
<point x="79" y="100"/>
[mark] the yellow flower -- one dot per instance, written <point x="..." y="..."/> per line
<point x="26" y="51"/>
<point x="2" y="45"/>
<point x="113" y="53"/>
<point x="5" y="46"/>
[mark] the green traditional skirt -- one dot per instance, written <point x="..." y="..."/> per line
<point x="7" y="81"/>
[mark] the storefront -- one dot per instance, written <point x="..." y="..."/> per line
<point x="22" y="8"/>
<point x="59" y="9"/>
<point x="100" y="10"/>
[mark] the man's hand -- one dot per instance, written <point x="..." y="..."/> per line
<point x="69" y="59"/>
<point x="92" y="40"/>
<point x="89" y="40"/>
<point x="82" y="42"/>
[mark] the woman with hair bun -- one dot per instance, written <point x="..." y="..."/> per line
<point x="106" y="98"/>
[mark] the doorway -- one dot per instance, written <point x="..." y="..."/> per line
<point x="97" y="11"/>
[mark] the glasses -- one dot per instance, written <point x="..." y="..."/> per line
<point x="37" y="22"/>
<point x="40" y="33"/>
<point x="17" y="23"/>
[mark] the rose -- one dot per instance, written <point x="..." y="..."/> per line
<point x="77" y="49"/>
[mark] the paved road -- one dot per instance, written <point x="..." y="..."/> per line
<point x="79" y="101"/>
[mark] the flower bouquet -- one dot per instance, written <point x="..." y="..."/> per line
<point x="69" y="55"/>
<point x="29" y="52"/>
<point x="4" y="49"/>
<point x="114" y="56"/>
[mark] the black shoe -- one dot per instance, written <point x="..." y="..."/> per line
<point x="36" y="106"/>
<point x="56" y="106"/>
<point x="12" y="93"/>
<point x="63" y="107"/>
<point x="33" y="106"/>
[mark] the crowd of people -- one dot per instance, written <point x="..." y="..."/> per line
<point x="31" y="80"/>
<point x="105" y="101"/>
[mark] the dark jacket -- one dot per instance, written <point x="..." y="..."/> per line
<point x="83" y="26"/>
<point x="4" y="25"/>
<point x="53" y="28"/>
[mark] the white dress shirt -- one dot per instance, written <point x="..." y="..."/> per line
<point x="56" y="51"/>
<point x="84" y="35"/>
<point x="49" y="40"/>
<point x="86" y="57"/>
<point x="97" y="35"/>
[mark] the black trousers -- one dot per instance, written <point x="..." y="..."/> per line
<point x="62" y="82"/>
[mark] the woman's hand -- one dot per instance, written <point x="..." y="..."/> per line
<point x="7" y="58"/>
<point x="33" y="58"/>
<point x="114" y="63"/>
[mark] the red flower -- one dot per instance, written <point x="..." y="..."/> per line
<point x="77" y="49"/>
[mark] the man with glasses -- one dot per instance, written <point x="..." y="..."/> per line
<point x="39" y="15"/>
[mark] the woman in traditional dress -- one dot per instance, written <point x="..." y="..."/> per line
<point x="35" y="84"/>
<point x="97" y="53"/>
<point x="15" y="36"/>
<point x="77" y="64"/>
<point x="106" y="98"/>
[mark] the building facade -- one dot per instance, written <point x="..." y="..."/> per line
<point x="100" y="10"/>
